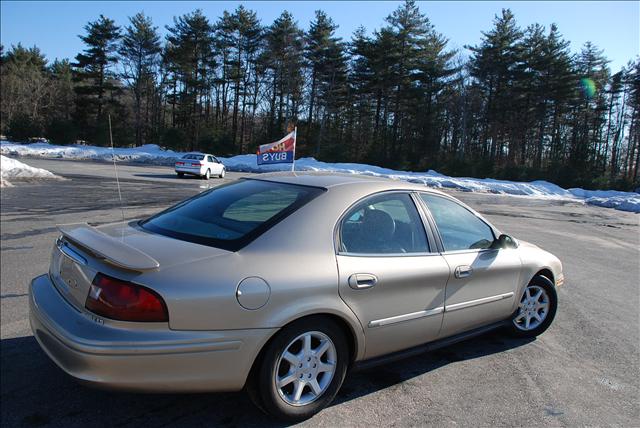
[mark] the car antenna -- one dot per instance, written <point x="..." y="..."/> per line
<point x="115" y="169"/>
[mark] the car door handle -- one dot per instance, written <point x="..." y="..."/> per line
<point x="361" y="281"/>
<point x="463" y="271"/>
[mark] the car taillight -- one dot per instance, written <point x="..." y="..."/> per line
<point x="179" y="163"/>
<point x="124" y="301"/>
<point x="197" y="164"/>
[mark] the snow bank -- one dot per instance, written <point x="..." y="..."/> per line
<point x="153" y="154"/>
<point x="150" y="153"/>
<point x="623" y="201"/>
<point x="11" y="168"/>
<point x="430" y="178"/>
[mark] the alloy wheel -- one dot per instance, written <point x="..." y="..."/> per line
<point x="305" y="368"/>
<point x="533" y="308"/>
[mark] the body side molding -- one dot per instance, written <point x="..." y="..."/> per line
<point x="406" y="317"/>
<point x="470" y="303"/>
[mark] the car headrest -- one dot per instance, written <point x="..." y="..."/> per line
<point x="378" y="225"/>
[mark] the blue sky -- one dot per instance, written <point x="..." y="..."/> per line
<point x="54" y="26"/>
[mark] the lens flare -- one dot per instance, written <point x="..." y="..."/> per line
<point x="588" y="87"/>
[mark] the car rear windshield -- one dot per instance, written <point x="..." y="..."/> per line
<point x="230" y="216"/>
<point x="194" y="157"/>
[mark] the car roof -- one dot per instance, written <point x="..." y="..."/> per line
<point x="328" y="180"/>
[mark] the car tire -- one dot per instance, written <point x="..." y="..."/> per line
<point x="310" y="369"/>
<point x="180" y="174"/>
<point x="222" y="173"/>
<point x="536" y="310"/>
<point x="207" y="175"/>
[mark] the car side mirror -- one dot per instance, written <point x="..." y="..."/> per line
<point x="504" y="241"/>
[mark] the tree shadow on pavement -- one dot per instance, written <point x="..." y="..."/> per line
<point x="34" y="392"/>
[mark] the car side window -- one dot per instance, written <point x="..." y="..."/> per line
<point x="459" y="228"/>
<point x="210" y="159"/>
<point x="383" y="224"/>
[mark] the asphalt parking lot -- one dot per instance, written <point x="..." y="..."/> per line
<point x="585" y="370"/>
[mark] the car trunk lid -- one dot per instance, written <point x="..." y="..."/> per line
<point x="106" y="247"/>
<point x="121" y="250"/>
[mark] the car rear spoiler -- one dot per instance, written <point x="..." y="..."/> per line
<point x="112" y="250"/>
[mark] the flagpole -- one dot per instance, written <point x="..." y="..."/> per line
<point x="295" y="140"/>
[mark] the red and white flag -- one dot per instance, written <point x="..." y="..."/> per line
<point x="281" y="151"/>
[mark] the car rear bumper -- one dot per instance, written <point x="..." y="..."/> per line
<point x="156" y="359"/>
<point x="191" y="170"/>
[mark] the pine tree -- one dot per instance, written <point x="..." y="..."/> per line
<point x="409" y="29"/>
<point x="241" y="35"/>
<point x="360" y="80"/>
<point x="376" y="65"/>
<point x="632" y="156"/>
<point x="559" y="87"/>
<point x="190" y="51"/>
<point x="334" y="91"/>
<point x="26" y="92"/>
<point x="493" y="65"/>
<point x="613" y="94"/>
<point x="60" y="128"/>
<point x="435" y="76"/>
<point x="590" y="108"/>
<point x="94" y="71"/>
<point x="321" y="45"/>
<point x="139" y="50"/>
<point x="283" y="58"/>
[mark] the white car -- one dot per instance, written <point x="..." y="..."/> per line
<point x="201" y="164"/>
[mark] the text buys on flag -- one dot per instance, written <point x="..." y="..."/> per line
<point x="281" y="151"/>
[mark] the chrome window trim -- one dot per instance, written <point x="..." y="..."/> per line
<point x="476" y="302"/>
<point x="423" y="254"/>
<point x="405" y="317"/>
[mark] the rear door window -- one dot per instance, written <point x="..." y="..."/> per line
<point x="384" y="224"/>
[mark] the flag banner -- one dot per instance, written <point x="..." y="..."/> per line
<point x="282" y="151"/>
